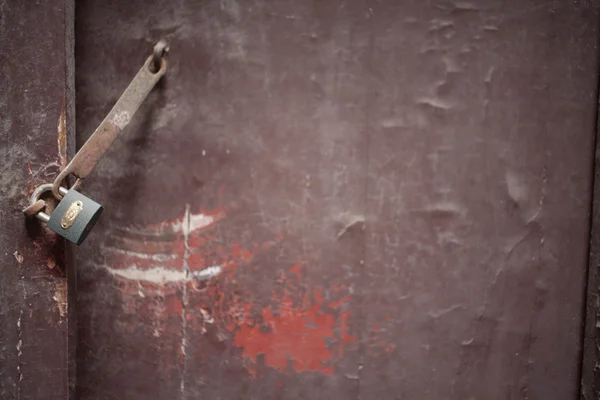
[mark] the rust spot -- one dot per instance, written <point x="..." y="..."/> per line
<point x="60" y="297"/>
<point x="62" y="137"/>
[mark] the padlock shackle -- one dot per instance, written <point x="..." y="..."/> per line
<point x="46" y="187"/>
<point x="42" y="216"/>
<point x="38" y="192"/>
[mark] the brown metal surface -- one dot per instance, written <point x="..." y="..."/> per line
<point x="117" y="119"/>
<point x="34" y="208"/>
<point x="391" y="199"/>
<point x="36" y="136"/>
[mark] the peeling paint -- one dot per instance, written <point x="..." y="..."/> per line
<point x="300" y="331"/>
<point x="60" y="297"/>
<point x="306" y="337"/>
<point x="62" y="138"/>
<point x="18" y="256"/>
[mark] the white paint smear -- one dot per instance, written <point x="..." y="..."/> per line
<point x="145" y="256"/>
<point x="160" y="275"/>
<point x="121" y="119"/>
<point x="197" y="221"/>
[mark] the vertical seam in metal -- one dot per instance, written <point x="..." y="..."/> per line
<point x="591" y="280"/>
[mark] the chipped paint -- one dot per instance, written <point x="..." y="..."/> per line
<point x="62" y="138"/>
<point x="301" y="330"/>
<point x="18" y="257"/>
<point x="60" y="297"/>
<point x="305" y="337"/>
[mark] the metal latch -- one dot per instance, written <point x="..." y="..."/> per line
<point x="76" y="214"/>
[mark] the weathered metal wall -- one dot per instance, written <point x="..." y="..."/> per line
<point x="393" y="198"/>
<point x="36" y="133"/>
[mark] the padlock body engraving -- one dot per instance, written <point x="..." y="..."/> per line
<point x="69" y="217"/>
<point x="74" y="216"/>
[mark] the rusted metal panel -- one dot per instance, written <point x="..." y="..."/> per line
<point x="36" y="134"/>
<point x="339" y="200"/>
<point x="482" y="169"/>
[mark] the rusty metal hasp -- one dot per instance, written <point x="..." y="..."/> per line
<point x="76" y="214"/>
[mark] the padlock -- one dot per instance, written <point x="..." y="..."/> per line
<point x="74" y="216"/>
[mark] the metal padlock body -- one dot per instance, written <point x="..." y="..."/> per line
<point x="74" y="216"/>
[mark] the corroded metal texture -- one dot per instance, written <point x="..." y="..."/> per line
<point x="36" y="137"/>
<point x="338" y="200"/>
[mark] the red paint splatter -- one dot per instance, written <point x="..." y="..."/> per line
<point x="304" y="337"/>
<point x="299" y="328"/>
<point x="296" y="269"/>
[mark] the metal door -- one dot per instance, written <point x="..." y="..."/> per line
<point x="337" y="200"/>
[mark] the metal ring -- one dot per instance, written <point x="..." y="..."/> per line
<point x="60" y="179"/>
<point x="160" y="49"/>
<point x="37" y="193"/>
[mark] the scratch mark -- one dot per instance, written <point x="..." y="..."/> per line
<point x="444" y="311"/>
<point x="161" y="275"/>
<point x="465" y="6"/>
<point x="434" y="102"/>
<point x="259" y="201"/>
<point x="414" y="118"/>
<point x="443" y="209"/>
<point x="62" y="137"/>
<point x="489" y="75"/>
<point x="186" y="229"/>
<point x="145" y="256"/>
<point x="20" y="328"/>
